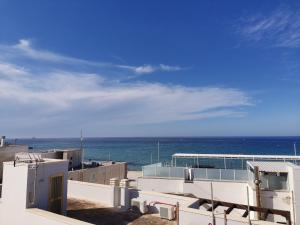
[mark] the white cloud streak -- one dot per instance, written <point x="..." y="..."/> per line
<point x="145" y="69"/>
<point x="280" y="28"/>
<point x="65" y="95"/>
<point x="24" y="48"/>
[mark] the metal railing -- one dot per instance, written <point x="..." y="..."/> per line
<point x="199" y="173"/>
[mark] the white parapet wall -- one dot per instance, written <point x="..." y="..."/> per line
<point x="7" y="153"/>
<point x="227" y="191"/>
<point x="42" y="217"/>
<point x="162" y="185"/>
<point x="35" y="216"/>
<point x="235" y="192"/>
<point x="99" y="193"/>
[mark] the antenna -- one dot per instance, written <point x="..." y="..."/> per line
<point x="82" y="151"/>
<point x="158" y="151"/>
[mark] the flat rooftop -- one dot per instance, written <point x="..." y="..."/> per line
<point x="237" y="156"/>
<point x="32" y="162"/>
<point x="103" y="215"/>
<point x="265" y="166"/>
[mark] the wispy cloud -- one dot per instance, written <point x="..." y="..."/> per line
<point x="70" y="96"/>
<point x="145" y="69"/>
<point x="279" y="28"/>
<point x="24" y="48"/>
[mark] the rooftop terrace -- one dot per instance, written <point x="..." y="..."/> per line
<point x="96" y="213"/>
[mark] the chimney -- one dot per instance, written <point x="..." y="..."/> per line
<point x="2" y="142"/>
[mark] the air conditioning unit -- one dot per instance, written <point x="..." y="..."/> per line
<point x="139" y="204"/>
<point x="167" y="212"/>
<point x="188" y="175"/>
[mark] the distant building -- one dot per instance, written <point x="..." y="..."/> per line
<point x="8" y="151"/>
<point x="92" y="171"/>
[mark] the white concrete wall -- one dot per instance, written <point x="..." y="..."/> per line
<point x="35" y="217"/>
<point x="160" y="185"/>
<point x="42" y="217"/>
<point x="235" y="192"/>
<point x="100" y="193"/>
<point x="7" y="153"/>
<point x="14" y="187"/>
<point x="226" y="191"/>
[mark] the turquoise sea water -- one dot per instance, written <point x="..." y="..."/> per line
<point x="137" y="151"/>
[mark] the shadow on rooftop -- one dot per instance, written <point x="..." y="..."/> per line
<point x="103" y="216"/>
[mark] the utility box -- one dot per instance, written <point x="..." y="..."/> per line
<point x="38" y="183"/>
<point x="167" y="212"/>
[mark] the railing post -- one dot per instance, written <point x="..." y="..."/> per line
<point x="225" y="218"/>
<point x="212" y="204"/>
<point x="248" y="206"/>
<point x="220" y="174"/>
<point x="234" y="174"/>
<point x="206" y="173"/>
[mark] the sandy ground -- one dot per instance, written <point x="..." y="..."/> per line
<point x="102" y="215"/>
<point x="132" y="176"/>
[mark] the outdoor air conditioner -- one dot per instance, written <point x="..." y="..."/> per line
<point x="140" y="205"/>
<point x="167" y="212"/>
<point x="188" y="175"/>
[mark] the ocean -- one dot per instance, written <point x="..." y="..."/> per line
<point x="137" y="151"/>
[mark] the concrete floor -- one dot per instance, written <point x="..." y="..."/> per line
<point x="102" y="215"/>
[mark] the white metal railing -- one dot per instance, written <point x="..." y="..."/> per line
<point x="199" y="173"/>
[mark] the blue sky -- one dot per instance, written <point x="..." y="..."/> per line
<point x="149" y="68"/>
